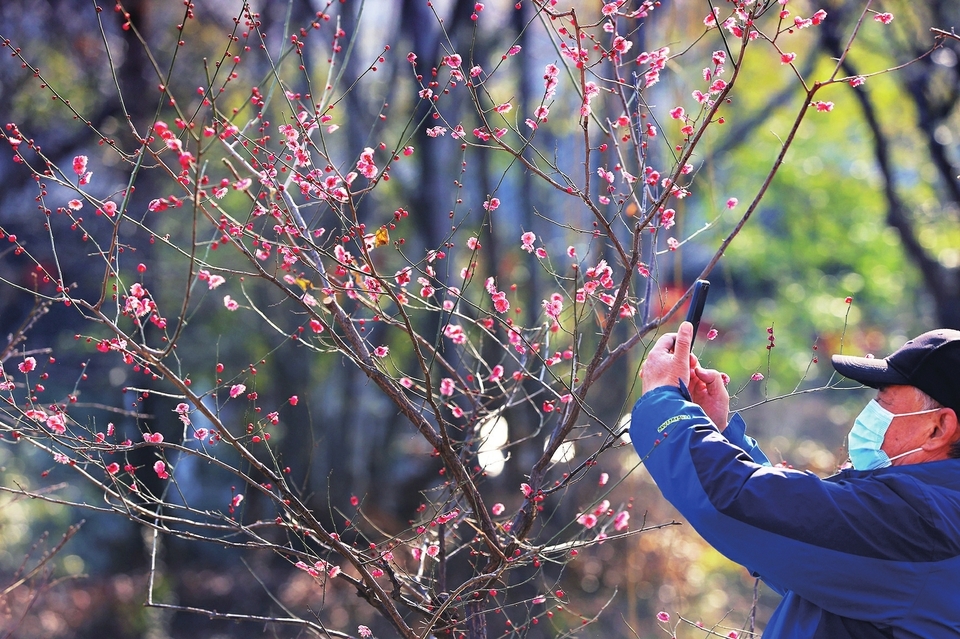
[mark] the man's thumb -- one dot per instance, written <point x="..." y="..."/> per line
<point x="684" y="338"/>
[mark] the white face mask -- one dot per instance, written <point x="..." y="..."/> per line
<point x="866" y="437"/>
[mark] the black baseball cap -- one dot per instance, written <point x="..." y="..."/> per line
<point x="930" y="362"/>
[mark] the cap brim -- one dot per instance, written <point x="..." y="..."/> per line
<point x="868" y="370"/>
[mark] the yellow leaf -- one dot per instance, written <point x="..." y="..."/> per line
<point x="374" y="240"/>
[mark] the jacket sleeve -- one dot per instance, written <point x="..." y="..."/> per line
<point x="736" y="434"/>
<point x="839" y="548"/>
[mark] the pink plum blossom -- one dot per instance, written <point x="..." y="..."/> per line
<point x="161" y="470"/>
<point x="621" y="521"/>
<point x="667" y="218"/>
<point x="80" y="164"/>
<point x="35" y="414"/>
<point x="553" y="306"/>
<point x="610" y="8"/>
<point x="57" y="423"/>
<point x="527" y="240"/>
<point x="500" y="302"/>
<point x="446" y="387"/>
<point x="366" y="165"/>
<point x="28" y="364"/>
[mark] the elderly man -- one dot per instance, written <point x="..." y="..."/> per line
<point x="871" y="552"/>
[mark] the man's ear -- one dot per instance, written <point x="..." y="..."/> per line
<point x="945" y="432"/>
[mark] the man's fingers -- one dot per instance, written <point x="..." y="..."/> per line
<point x="710" y="376"/>
<point x="665" y="343"/>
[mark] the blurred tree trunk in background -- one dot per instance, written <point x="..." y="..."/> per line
<point x="930" y="106"/>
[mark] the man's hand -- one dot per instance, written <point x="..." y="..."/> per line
<point x="668" y="362"/>
<point x="708" y="390"/>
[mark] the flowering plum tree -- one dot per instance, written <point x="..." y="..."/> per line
<point x="253" y="202"/>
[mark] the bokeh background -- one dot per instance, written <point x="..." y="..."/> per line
<point x="866" y="206"/>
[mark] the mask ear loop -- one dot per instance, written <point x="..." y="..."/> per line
<point x="909" y="452"/>
<point x="916" y="412"/>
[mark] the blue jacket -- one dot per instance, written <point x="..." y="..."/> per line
<point x="861" y="554"/>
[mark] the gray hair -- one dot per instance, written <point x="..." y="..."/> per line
<point x="926" y="402"/>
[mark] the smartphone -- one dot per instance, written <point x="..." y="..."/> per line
<point x="697" y="302"/>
